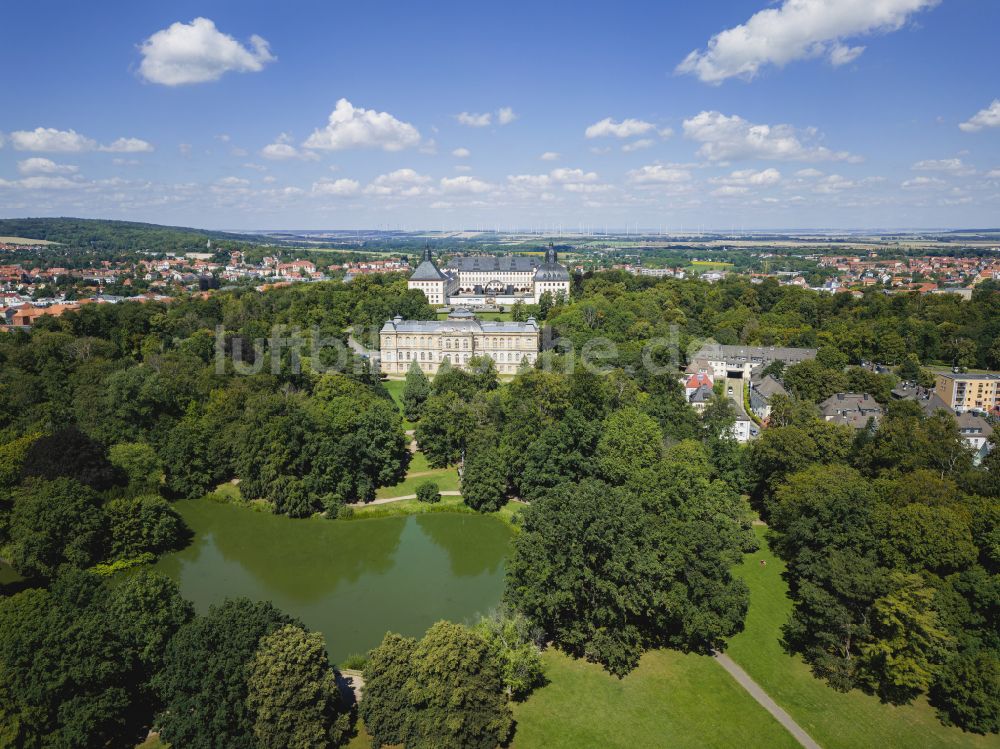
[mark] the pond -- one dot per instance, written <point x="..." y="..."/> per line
<point x="351" y="580"/>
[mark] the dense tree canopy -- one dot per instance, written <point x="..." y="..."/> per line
<point x="446" y="689"/>
<point x="76" y="659"/>
<point x="606" y="576"/>
<point x="54" y="523"/>
<point x="203" y="683"/>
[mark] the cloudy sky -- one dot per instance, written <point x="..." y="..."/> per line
<point x="673" y="115"/>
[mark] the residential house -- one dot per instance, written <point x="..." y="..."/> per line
<point x="762" y="392"/>
<point x="856" y="410"/>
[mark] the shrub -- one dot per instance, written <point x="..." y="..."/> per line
<point x="331" y="504"/>
<point x="355" y="662"/>
<point x="428" y="492"/>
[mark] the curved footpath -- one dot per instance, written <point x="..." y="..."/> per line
<point x="387" y="500"/>
<point x="754" y="689"/>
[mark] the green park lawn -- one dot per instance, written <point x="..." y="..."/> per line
<point x="833" y="719"/>
<point x="671" y="699"/>
<point x="410" y="507"/>
<point x="395" y="388"/>
<point x="418" y="463"/>
<point x="445" y="478"/>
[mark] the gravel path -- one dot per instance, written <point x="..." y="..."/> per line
<point x="755" y="691"/>
<point x="387" y="500"/>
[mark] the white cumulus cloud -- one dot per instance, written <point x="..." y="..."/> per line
<point x="797" y="30"/>
<point x="572" y="175"/>
<point x="337" y="187"/>
<point x="470" y="119"/>
<point x="658" y="174"/>
<point x="461" y="153"/>
<point x="354" y="127"/>
<point x="571" y="180"/>
<point x="37" y="165"/>
<point x="46" y="182"/>
<point x="730" y="191"/>
<point x="835" y="183"/>
<point x="404" y="182"/>
<point x="529" y="181"/>
<point x="505" y="115"/>
<point x="953" y="166"/>
<point x="638" y="145"/>
<point x="726" y="138"/>
<point x="465" y="184"/>
<point x="924" y="183"/>
<point x="283" y="150"/>
<point x="750" y="177"/>
<point x="989" y="117"/>
<point x="628" y="128"/>
<point x="549" y="156"/>
<point x="198" y="52"/>
<point x="49" y="139"/>
<point x="128" y="145"/>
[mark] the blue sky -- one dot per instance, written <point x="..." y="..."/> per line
<point x="722" y="114"/>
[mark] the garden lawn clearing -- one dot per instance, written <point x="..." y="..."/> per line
<point x="671" y="699"/>
<point x="395" y="388"/>
<point x="445" y="478"/>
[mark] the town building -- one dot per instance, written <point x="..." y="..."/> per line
<point x="739" y="362"/>
<point x="969" y="392"/>
<point x="428" y="278"/>
<point x="737" y="367"/>
<point x="696" y="381"/>
<point x="700" y="397"/>
<point x="459" y="338"/>
<point x="975" y="432"/>
<point x="856" y="410"/>
<point x="762" y="392"/>
<point x="744" y="428"/>
<point x="488" y="280"/>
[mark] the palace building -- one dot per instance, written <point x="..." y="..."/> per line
<point x="459" y="338"/>
<point x="488" y="280"/>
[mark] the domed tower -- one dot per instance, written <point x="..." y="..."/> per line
<point x="430" y="280"/>
<point x="551" y="277"/>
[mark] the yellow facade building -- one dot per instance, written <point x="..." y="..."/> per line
<point x="459" y="338"/>
<point x="968" y="392"/>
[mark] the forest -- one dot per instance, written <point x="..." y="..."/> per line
<point x="104" y="235"/>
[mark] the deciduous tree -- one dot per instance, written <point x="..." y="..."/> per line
<point x="292" y="694"/>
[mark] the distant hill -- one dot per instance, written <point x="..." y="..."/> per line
<point x="104" y="235"/>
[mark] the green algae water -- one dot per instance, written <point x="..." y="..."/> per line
<point x="351" y="580"/>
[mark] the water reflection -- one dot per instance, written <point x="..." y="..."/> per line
<point x="351" y="580"/>
<point x="471" y="549"/>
